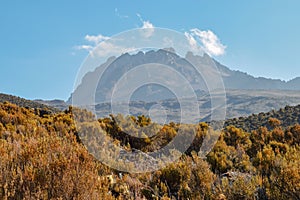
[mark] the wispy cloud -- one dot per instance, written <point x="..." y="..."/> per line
<point x="199" y="40"/>
<point x="120" y="15"/>
<point x="210" y="42"/>
<point x="193" y="43"/>
<point x="96" y="39"/>
<point x="84" y="47"/>
<point x="147" y="26"/>
<point x="103" y="44"/>
<point x="93" y="41"/>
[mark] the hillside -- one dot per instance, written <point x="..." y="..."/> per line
<point x="26" y="103"/>
<point x="258" y="107"/>
<point x="57" y="104"/>
<point x="239" y="103"/>
<point x="41" y="158"/>
<point x="288" y="116"/>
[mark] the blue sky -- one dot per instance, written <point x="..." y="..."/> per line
<point x="39" y="39"/>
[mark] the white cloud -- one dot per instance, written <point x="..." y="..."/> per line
<point x="199" y="41"/>
<point x="210" y="42"/>
<point x="193" y="43"/>
<point x="147" y="26"/>
<point x="104" y="46"/>
<point x="96" y="39"/>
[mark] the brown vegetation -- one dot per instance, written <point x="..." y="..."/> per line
<point x="43" y="158"/>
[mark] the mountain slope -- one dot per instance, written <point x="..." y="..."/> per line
<point x="241" y="80"/>
<point x="239" y="103"/>
<point x="21" y="102"/>
<point x="288" y="116"/>
<point x="42" y="159"/>
<point x="117" y="67"/>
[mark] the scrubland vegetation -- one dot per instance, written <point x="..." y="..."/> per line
<point x="42" y="157"/>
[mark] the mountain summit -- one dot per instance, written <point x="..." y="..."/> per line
<point x="116" y="67"/>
